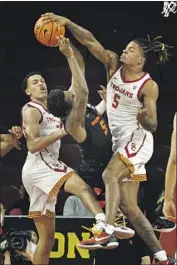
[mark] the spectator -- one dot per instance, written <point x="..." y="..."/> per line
<point x="20" y="206"/>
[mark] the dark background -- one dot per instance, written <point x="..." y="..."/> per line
<point x="113" y="23"/>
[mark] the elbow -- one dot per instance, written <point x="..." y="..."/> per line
<point x="153" y="127"/>
<point x="82" y="97"/>
<point x="32" y="149"/>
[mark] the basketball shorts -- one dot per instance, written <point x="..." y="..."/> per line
<point x="135" y="150"/>
<point x="42" y="177"/>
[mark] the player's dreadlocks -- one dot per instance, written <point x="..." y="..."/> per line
<point x="155" y="51"/>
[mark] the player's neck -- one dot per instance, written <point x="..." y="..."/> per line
<point x="43" y="103"/>
<point x="131" y="72"/>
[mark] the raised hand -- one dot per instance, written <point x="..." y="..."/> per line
<point x="102" y="93"/>
<point x="48" y="17"/>
<point x="16" y="133"/>
<point x="64" y="46"/>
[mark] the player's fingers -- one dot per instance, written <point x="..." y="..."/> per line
<point x="48" y="14"/>
<point x="67" y="41"/>
<point x="47" y="20"/>
<point x="59" y="27"/>
<point x="102" y="87"/>
<point x="100" y="92"/>
<point x="10" y="131"/>
<point x="144" y="111"/>
<point x="18" y="130"/>
<point x="62" y="40"/>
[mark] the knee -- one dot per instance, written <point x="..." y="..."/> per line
<point x="129" y="209"/>
<point x="84" y="188"/>
<point x="108" y="176"/>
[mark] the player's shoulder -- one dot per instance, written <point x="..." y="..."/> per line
<point x="150" y="87"/>
<point x="29" y="111"/>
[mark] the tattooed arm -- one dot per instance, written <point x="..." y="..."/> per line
<point x="87" y="39"/>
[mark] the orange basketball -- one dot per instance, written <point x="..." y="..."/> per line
<point x="46" y="33"/>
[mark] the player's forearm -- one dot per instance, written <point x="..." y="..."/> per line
<point x="79" y="58"/>
<point x="78" y="79"/>
<point x="40" y="143"/>
<point x="170" y="179"/>
<point x="101" y="107"/>
<point x="82" y="35"/>
<point x="5" y="147"/>
<point x="149" y="124"/>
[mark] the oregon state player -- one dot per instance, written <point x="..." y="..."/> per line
<point x="96" y="146"/>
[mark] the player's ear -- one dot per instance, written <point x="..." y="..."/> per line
<point x="141" y="60"/>
<point x="27" y="91"/>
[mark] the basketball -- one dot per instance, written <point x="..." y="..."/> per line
<point x="46" y="33"/>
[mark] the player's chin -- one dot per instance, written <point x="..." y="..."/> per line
<point x="122" y="60"/>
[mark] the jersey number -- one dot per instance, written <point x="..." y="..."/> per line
<point x="116" y="101"/>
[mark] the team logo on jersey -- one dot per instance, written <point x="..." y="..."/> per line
<point x="133" y="147"/>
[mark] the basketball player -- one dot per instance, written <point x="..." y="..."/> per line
<point x="97" y="145"/>
<point x="42" y="174"/>
<point x="11" y="140"/>
<point x="131" y="110"/>
<point x="169" y="208"/>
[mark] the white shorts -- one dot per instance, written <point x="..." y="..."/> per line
<point x="42" y="177"/>
<point x="135" y="150"/>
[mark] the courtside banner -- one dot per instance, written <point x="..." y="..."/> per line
<point x="68" y="233"/>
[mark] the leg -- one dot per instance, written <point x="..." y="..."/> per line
<point x="46" y="230"/>
<point x="129" y="206"/>
<point x="75" y="185"/>
<point x="115" y="171"/>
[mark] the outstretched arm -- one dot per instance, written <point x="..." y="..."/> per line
<point x="75" y="118"/>
<point x="80" y="61"/>
<point x="79" y="58"/>
<point x="85" y="37"/>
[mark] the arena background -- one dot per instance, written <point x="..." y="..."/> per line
<point x="114" y="24"/>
